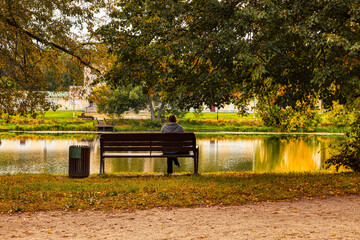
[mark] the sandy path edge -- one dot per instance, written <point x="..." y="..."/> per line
<point x="328" y="218"/>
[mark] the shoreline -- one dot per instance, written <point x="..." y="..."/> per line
<point x="196" y="132"/>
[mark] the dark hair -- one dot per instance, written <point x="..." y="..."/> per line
<point x="172" y="118"/>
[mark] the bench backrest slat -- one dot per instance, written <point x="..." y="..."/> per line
<point x="147" y="136"/>
<point x="127" y="148"/>
<point x="147" y="149"/>
<point x="148" y="143"/>
<point x="172" y="143"/>
<point x="173" y="149"/>
<point x="126" y="143"/>
<point x="140" y="142"/>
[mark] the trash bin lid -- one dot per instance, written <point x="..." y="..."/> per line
<point x="74" y="152"/>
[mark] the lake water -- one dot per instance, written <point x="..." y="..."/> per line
<point x="39" y="153"/>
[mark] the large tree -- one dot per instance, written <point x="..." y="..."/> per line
<point x="172" y="48"/>
<point x="117" y="101"/>
<point x="213" y="52"/>
<point x="34" y="31"/>
<point x="307" y="49"/>
<point x="135" y="35"/>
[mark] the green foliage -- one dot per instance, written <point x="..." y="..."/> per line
<point x="14" y="101"/>
<point x="31" y="29"/>
<point x="62" y="72"/>
<point x="153" y="124"/>
<point x="213" y="115"/>
<point x="349" y="152"/>
<point x="214" y="52"/>
<point x="195" y="125"/>
<point x="33" y="35"/>
<point x="119" y="100"/>
<point x="159" y="45"/>
<point x="138" y="36"/>
<point x="308" y="48"/>
<point x="173" y="108"/>
<point x="302" y="117"/>
<point x="339" y="115"/>
<point x="198" y="112"/>
<point x="276" y="116"/>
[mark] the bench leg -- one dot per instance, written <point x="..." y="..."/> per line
<point x="195" y="165"/>
<point x="102" y="166"/>
<point x="196" y="162"/>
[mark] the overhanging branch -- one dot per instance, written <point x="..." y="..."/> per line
<point x="46" y="42"/>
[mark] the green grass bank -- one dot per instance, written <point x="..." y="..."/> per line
<point x="51" y="121"/>
<point x="213" y="125"/>
<point x="228" y="122"/>
<point x="29" y="193"/>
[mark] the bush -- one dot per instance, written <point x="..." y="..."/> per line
<point x="349" y="152"/>
<point x="275" y="116"/>
<point x="152" y="124"/>
<point x="302" y="117"/>
<point x="339" y="116"/>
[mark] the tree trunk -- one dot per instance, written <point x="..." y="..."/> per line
<point x="160" y="110"/>
<point x="152" y="112"/>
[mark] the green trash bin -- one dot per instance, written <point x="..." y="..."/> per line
<point x="79" y="161"/>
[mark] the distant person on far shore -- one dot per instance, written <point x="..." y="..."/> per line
<point x="172" y="126"/>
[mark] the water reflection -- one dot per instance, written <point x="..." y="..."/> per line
<point x="37" y="155"/>
<point x="295" y="154"/>
<point x="217" y="154"/>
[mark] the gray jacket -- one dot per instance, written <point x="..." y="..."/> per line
<point x="172" y="127"/>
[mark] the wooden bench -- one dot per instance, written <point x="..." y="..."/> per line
<point x="84" y="117"/>
<point x="103" y="125"/>
<point x="148" y="145"/>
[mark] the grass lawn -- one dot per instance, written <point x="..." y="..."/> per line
<point x="28" y="193"/>
<point x="61" y="114"/>
<point x="51" y="121"/>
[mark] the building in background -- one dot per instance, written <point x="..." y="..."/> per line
<point x="77" y="98"/>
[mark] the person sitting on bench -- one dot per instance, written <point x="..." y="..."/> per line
<point x="172" y="126"/>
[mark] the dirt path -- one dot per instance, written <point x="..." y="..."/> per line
<point x="330" y="218"/>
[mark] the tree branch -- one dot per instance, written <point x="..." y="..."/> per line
<point x="13" y="23"/>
